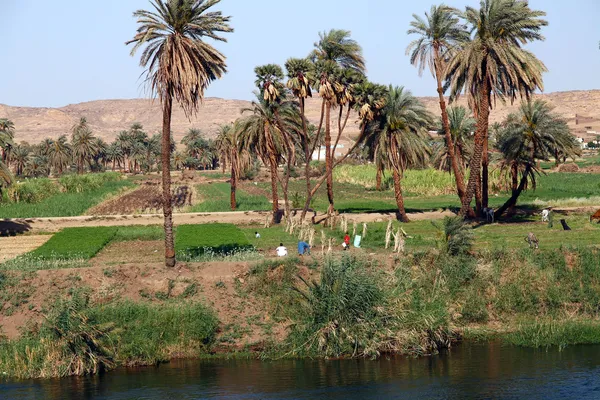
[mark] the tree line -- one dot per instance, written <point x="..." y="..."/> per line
<point x="133" y="150"/>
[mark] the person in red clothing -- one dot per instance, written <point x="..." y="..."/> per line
<point x="346" y="243"/>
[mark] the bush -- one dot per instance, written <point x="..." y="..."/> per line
<point x="88" y="182"/>
<point x="341" y="309"/>
<point x="32" y="191"/>
<point x="457" y="236"/>
<point x="75" y="243"/>
<point x="195" y="240"/>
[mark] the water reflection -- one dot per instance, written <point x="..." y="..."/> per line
<point x="469" y="371"/>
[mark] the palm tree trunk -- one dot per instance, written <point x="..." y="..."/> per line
<point x="514" y="171"/>
<point x="475" y="164"/>
<point x="484" y="172"/>
<point x="458" y="175"/>
<point x="401" y="216"/>
<point x="233" y="180"/>
<point x="275" y="196"/>
<point x="512" y="201"/>
<point x="166" y="181"/>
<point x="478" y="204"/>
<point x="378" y="178"/>
<point x="307" y="157"/>
<point x="328" y="159"/>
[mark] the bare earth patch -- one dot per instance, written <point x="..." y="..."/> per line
<point x="13" y="246"/>
<point x="221" y="285"/>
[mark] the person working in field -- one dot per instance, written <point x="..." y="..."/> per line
<point x="281" y="250"/>
<point x="257" y="235"/>
<point x="303" y="248"/>
<point x="346" y="243"/>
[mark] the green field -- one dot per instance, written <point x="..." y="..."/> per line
<point x="193" y="241"/>
<point x="553" y="189"/>
<point x="63" y="204"/>
<point x="215" y="197"/>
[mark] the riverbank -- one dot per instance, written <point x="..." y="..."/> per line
<point x="75" y="321"/>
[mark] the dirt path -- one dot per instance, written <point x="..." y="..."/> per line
<point x="13" y="246"/>
<point x="239" y="218"/>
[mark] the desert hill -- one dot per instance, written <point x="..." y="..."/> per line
<point x="108" y="117"/>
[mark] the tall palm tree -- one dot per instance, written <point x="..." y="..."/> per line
<point x="260" y="133"/>
<point x="269" y="80"/>
<point x="440" y="33"/>
<point x="494" y="65"/>
<point x="300" y="72"/>
<point x="534" y="133"/>
<point x="461" y="125"/>
<point x="233" y="155"/>
<point x="180" y="65"/>
<point x="335" y="50"/>
<point x="125" y="142"/>
<point x="401" y="137"/>
<point x="60" y="154"/>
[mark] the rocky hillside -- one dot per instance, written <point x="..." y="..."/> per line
<point x="108" y="117"/>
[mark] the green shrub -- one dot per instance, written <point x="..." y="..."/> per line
<point x="195" y="240"/>
<point x="75" y="243"/>
<point x="457" y="236"/>
<point x="87" y="182"/>
<point x="32" y="190"/>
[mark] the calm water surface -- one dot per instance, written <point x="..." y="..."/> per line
<point x="468" y="372"/>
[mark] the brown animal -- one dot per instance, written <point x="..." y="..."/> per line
<point x="595" y="216"/>
<point x="532" y="240"/>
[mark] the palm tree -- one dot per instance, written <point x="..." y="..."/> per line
<point x="20" y="155"/>
<point x="37" y="166"/>
<point x="269" y="81"/>
<point x="534" y="133"/>
<point x="461" y="125"/>
<point x="114" y="154"/>
<point x="401" y="137"/>
<point x="231" y="153"/>
<point x="84" y="146"/>
<point x="179" y="65"/>
<point x="260" y="133"/>
<point x="7" y="134"/>
<point x="334" y="51"/>
<point x="60" y="154"/>
<point x="494" y="65"/>
<point x="125" y="142"/>
<point x="439" y="35"/>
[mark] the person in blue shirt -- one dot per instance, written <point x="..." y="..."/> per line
<point x="303" y="248"/>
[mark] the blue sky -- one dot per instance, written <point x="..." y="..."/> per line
<point x="69" y="51"/>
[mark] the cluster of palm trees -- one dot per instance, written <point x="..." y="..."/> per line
<point x="477" y="53"/>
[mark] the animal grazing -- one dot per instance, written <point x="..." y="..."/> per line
<point x="488" y="213"/>
<point x="532" y="240"/>
<point x="595" y="216"/>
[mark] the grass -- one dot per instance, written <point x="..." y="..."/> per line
<point x="63" y="204"/>
<point x="216" y="198"/>
<point x="75" y="243"/>
<point x="193" y="241"/>
<point x="132" y="233"/>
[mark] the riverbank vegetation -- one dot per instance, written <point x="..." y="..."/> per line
<point x="345" y="305"/>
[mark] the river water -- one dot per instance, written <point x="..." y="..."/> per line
<point x="469" y="371"/>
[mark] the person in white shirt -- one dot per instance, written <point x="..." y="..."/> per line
<point x="257" y="235"/>
<point x="281" y="250"/>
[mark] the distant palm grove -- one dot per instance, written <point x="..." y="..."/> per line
<point x="478" y="53"/>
